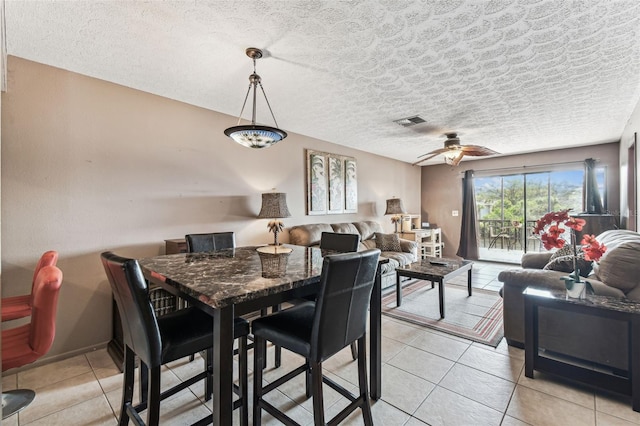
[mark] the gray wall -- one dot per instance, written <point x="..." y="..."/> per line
<point x="89" y="166"/>
<point x="442" y="184"/>
<point x="629" y="213"/>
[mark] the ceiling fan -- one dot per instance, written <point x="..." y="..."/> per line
<point x="453" y="151"/>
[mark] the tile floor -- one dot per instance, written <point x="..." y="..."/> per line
<point x="428" y="378"/>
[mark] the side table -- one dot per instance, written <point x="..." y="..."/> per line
<point x="599" y="306"/>
<point x="176" y="245"/>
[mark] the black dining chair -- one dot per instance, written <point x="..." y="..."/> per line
<point x="208" y="242"/>
<point x="199" y="243"/>
<point x="318" y="330"/>
<point x="159" y="340"/>
<point x="336" y="241"/>
<point x="344" y="243"/>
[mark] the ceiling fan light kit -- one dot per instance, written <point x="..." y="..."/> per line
<point x="453" y="151"/>
<point x="254" y="135"/>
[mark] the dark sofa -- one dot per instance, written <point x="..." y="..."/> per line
<point x="601" y="341"/>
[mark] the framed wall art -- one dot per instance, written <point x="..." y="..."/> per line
<point x="316" y="182"/>
<point x="351" y="186"/>
<point x="332" y="183"/>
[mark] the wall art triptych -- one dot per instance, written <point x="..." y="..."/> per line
<point x="332" y="183"/>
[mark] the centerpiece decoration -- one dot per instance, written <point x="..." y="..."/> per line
<point x="550" y="227"/>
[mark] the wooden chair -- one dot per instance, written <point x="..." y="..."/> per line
<point x="431" y="246"/>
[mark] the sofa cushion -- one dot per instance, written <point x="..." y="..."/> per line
<point x="400" y="258"/>
<point x="387" y="242"/>
<point x="396" y="259"/>
<point x="345" y="228"/>
<point x="562" y="260"/>
<point x="619" y="267"/>
<point x="308" y="235"/>
<point x="367" y="229"/>
<point x="535" y="260"/>
<point x="614" y="237"/>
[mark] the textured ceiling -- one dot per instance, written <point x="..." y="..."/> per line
<point x="513" y="75"/>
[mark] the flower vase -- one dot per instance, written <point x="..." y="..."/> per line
<point x="576" y="290"/>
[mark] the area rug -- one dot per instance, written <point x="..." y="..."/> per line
<point x="477" y="318"/>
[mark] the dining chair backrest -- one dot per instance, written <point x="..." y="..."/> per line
<point x="199" y="243"/>
<point x="14" y="307"/>
<point x="139" y="323"/>
<point x="48" y="258"/>
<point x="339" y="242"/>
<point x="18" y="348"/>
<point x="341" y="309"/>
<point x="45" y="306"/>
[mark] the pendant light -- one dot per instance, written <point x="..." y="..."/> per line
<point x="254" y="135"/>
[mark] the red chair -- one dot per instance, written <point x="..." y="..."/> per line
<point x="25" y="344"/>
<point x="20" y="306"/>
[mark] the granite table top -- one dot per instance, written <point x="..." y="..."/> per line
<point x="602" y="302"/>
<point x="232" y="276"/>
<point x="436" y="266"/>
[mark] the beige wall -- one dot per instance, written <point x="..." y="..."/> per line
<point x="89" y="166"/>
<point x="442" y="184"/>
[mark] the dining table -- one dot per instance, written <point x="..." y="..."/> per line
<point x="234" y="282"/>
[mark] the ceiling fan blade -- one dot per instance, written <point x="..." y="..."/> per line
<point x="457" y="160"/>
<point x="427" y="158"/>
<point x="434" y="153"/>
<point x="477" y="150"/>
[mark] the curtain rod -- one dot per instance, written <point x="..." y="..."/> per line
<point x="530" y="167"/>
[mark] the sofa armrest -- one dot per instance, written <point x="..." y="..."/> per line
<point x="535" y="260"/>
<point x="523" y="278"/>
<point x="409" y="246"/>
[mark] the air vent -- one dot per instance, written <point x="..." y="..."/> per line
<point x="410" y="121"/>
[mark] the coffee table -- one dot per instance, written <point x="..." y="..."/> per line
<point x="434" y="269"/>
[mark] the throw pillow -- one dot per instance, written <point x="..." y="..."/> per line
<point x="562" y="260"/>
<point x="388" y="242"/>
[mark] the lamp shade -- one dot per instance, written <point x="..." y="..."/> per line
<point x="274" y="205"/>
<point x="394" y="206"/>
<point x="255" y="136"/>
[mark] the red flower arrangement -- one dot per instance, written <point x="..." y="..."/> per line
<point x="552" y="225"/>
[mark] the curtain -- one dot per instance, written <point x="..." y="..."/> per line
<point x="468" y="247"/>
<point x="592" y="200"/>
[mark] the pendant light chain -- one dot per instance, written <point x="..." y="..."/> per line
<point x="268" y="104"/>
<point x="255" y="135"/>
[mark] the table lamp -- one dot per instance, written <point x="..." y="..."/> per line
<point x="274" y="206"/>
<point x="395" y="208"/>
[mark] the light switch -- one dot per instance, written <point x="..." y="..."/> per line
<point x="454" y="212"/>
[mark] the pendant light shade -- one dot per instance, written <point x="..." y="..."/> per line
<point x="254" y="135"/>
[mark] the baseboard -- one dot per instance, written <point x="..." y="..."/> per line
<point x="55" y="358"/>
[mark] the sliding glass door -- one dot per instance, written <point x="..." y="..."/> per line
<point x="509" y="205"/>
